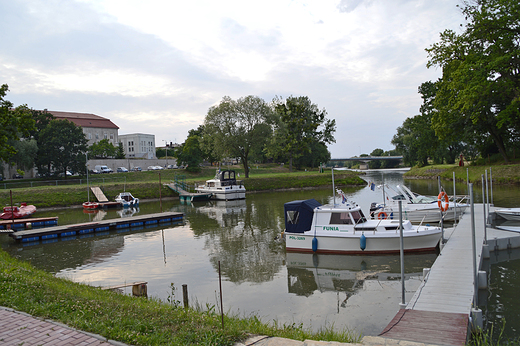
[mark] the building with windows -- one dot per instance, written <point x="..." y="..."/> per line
<point x="138" y="145"/>
<point x="94" y="127"/>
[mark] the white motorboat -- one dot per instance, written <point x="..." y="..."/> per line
<point x="342" y="228"/>
<point x="511" y="214"/>
<point x="415" y="207"/>
<point x="224" y="186"/>
<point x="127" y="200"/>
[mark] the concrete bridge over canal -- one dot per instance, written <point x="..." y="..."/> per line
<point x="366" y="159"/>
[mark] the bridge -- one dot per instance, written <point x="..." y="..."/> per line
<point x="369" y="158"/>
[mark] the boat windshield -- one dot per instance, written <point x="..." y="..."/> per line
<point x="358" y="217"/>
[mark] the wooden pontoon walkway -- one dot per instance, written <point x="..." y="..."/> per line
<point x="188" y="196"/>
<point x="99" y="226"/>
<point x="439" y="311"/>
<point x="35" y="222"/>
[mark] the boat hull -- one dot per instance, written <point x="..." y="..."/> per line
<point x="225" y="193"/>
<point x="90" y="205"/>
<point x="511" y="214"/>
<point x="376" y="242"/>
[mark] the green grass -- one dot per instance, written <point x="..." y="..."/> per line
<point x="502" y="174"/>
<point x="145" y="185"/>
<point x="137" y="321"/>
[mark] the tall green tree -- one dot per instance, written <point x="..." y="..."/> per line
<point x="66" y="146"/>
<point x="15" y="123"/>
<point x="480" y="85"/>
<point x="300" y="125"/>
<point x="102" y="149"/>
<point x="235" y="127"/>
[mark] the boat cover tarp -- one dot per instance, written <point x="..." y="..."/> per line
<point x="298" y="215"/>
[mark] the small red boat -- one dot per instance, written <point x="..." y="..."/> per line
<point x="16" y="212"/>
<point x="90" y="205"/>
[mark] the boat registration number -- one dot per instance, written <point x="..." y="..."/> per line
<point x="292" y="237"/>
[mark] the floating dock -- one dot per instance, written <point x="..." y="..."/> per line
<point x="443" y="309"/>
<point x="34" y="222"/>
<point x="188" y="196"/>
<point x="93" y="227"/>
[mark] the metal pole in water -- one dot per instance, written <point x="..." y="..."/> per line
<point x="220" y="287"/>
<point x="467" y="180"/>
<point x="333" y="189"/>
<point x="491" y="184"/>
<point x="454" y="201"/>
<point x="403" y="304"/>
<point x="474" y="246"/>
<point x="487" y="199"/>
<point x="160" y="197"/>
<point x="484" y="205"/>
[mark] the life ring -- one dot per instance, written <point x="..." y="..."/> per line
<point x="443" y="201"/>
<point x="382" y="215"/>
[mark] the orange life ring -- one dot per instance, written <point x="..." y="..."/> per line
<point x="382" y="215"/>
<point x="443" y="201"/>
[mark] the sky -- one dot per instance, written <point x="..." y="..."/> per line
<point x="157" y="66"/>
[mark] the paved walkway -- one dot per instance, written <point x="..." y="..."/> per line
<point x="366" y="341"/>
<point x="20" y="329"/>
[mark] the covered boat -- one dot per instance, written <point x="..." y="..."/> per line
<point x="342" y="228"/>
<point x="16" y="212"/>
<point x="224" y="186"/>
<point x="416" y="208"/>
<point x="127" y="200"/>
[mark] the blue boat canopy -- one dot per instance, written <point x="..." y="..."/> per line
<point x="298" y="215"/>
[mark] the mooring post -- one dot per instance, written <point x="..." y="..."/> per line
<point x="403" y="303"/>
<point x="185" y="295"/>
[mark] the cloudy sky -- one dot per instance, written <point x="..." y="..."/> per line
<point x="156" y="66"/>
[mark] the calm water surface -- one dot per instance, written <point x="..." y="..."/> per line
<point x="356" y="292"/>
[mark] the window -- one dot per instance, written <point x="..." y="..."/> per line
<point x="97" y="136"/>
<point x="292" y="216"/>
<point x="358" y="217"/>
<point x="111" y="136"/>
<point x="340" y="219"/>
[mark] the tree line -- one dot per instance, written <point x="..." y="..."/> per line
<point x="250" y="130"/>
<point x="474" y="108"/>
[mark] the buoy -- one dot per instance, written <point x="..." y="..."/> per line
<point x="314" y="244"/>
<point x="363" y="242"/>
<point x="315" y="260"/>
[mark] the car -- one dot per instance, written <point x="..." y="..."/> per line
<point x="95" y="171"/>
<point x="155" y="168"/>
<point x="62" y="174"/>
<point x="17" y="176"/>
<point x="121" y="170"/>
<point x="136" y="169"/>
<point x="172" y="167"/>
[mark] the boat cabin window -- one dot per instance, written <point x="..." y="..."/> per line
<point x="358" y="217"/>
<point x="340" y="219"/>
<point x="211" y="184"/>
<point x="399" y="198"/>
<point x="292" y="217"/>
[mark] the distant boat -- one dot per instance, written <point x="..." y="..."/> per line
<point x="415" y="207"/>
<point x="16" y="212"/>
<point x="127" y="200"/>
<point x="224" y="186"/>
<point x="90" y="205"/>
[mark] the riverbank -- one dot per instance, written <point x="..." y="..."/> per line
<point x="501" y="174"/>
<point x="136" y="321"/>
<point x="150" y="185"/>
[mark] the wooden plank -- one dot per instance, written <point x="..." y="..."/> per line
<point x="124" y="285"/>
<point x="428" y="327"/>
<point x="99" y="194"/>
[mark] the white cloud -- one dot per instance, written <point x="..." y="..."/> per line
<point x="157" y="66"/>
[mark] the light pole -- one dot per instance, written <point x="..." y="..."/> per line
<point x="166" y="147"/>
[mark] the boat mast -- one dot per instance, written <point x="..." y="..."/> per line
<point x="333" y="189"/>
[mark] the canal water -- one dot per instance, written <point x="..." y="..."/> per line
<point x="359" y="293"/>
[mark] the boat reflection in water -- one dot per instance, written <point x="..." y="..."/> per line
<point x="309" y="273"/>
<point x="226" y="213"/>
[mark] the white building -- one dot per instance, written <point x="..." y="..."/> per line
<point x="138" y="145"/>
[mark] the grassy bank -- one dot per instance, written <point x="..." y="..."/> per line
<point x="502" y="174"/>
<point x="136" y="321"/>
<point x="145" y="185"/>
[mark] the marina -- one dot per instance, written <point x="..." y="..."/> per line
<point x="358" y="292"/>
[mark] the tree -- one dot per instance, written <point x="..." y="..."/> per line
<point x="120" y="153"/>
<point x="14" y="123"/>
<point x="65" y="145"/>
<point x="480" y="85"/>
<point x="233" y="128"/>
<point x="26" y="151"/>
<point x="300" y="124"/>
<point x="103" y="149"/>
